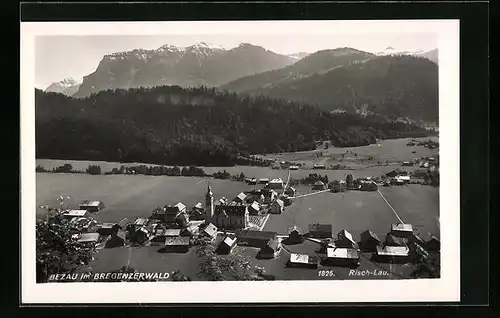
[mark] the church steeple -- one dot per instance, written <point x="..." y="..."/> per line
<point x="209" y="204"/>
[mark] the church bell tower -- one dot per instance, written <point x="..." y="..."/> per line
<point x="209" y="205"/>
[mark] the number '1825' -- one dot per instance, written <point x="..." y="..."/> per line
<point x="326" y="273"/>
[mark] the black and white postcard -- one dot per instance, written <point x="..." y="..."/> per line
<point x="245" y="161"/>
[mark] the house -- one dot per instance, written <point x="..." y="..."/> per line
<point x="172" y="232"/>
<point x="368" y="185"/>
<point x="159" y="237"/>
<point x="277" y="207"/>
<point x="106" y="229"/>
<point x="116" y="239"/>
<point x="405" y="179"/>
<point x="290" y="191"/>
<point x="369" y="241"/>
<point x="432" y="243"/>
<point x="342" y="257"/>
<point x="254" y="208"/>
<point x="252" y="181"/>
<point x="255" y="238"/>
<point x="271" y="250"/>
<point x="345" y="240"/>
<point x="391" y="240"/>
<point x="338" y="186"/>
<point x="399" y="254"/>
<point x="263" y="181"/>
<point x="302" y="260"/>
<point x="197" y="212"/>
<point x="140" y="222"/>
<point x="88" y="239"/>
<point x="402" y="230"/>
<point x="227" y="245"/>
<point x="231" y="216"/>
<point x="294" y="168"/>
<point x="210" y="232"/>
<point x="76" y="214"/>
<point x="240" y="198"/>
<point x="407" y="163"/>
<point x="158" y="214"/>
<point x="319" y="185"/>
<point x="276" y="184"/>
<point x="295" y="237"/>
<point x="179" y="244"/>
<point x="286" y="200"/>
<point x="414" y="238"/>
<point x="319" y="166"/>
<point x="269" y="195"/>
<point x="141" y="235"/>
<point x="92" y="206"/>
<point x="320" y="230"/>
<point x="176" y="213"/>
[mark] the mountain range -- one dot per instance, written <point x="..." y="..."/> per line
<point x="195" y="65"/>
<point x="400" y="85"/>
<point x="67" y="86"/>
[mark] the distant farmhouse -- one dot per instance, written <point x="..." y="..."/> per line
<point x="92" y="206"/>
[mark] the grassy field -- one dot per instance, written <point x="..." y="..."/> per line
<point x="357" y="211"/>
<point x="129" y="196"/>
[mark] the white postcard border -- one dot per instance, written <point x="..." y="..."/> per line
<point x="446" y="288"/>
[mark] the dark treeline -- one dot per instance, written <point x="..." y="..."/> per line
<point x="198" y="126"/>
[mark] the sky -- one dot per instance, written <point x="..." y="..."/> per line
<point x="63" y="56"/>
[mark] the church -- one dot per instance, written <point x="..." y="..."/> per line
<point x="229" y="215"/>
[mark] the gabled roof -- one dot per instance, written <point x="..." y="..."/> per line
<point x="199" y="205"/>
<point x="344" y="234"/>
<point x="121" y="234"/>
<point x="88" y="237"/>
<point x="76" y="213"/>
<point x="251" y="234"/>
<point x="392" y="240"/>
<point x="229" y="240"/>
<point x="255" y="205"/>
<point x="319" y="183"/>
<point x="140" y="221"/>
<point x="241" y="196"/>
<point x="402" y="227"/>
<point x="393" y="251"/>
<point x="210" y="229"/>
<point x="345" y="253"/>
<point x="180" y="206"/>
<point x="90" y="203"/>
<point x="369" y="234"/>
<point x="177" y="240"/>
<point x="299" y="258"/>
<point x="173" y="232"/>
<point x="277" y="180"/>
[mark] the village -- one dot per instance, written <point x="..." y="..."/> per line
<point x="240" y="221"/>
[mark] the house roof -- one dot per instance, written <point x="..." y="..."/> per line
<point x="319" y="183"/>
<point x="402" y="227"/>
<point x="300" y="258"/>
<point x="264" y="179"/>
<point x="255" y="205"/>
<point x="251" y="234"/>
<point x="180" y="206"/>
<point x="344" y="234"/>
<point x="241" y="196"/>
<point x="76" y="213"/>
<point x="88" y="237"/>
<point x="141" y="221"/>
<point x="277" y="180"/>
<point x="393" y="251"/>
<point x="108" y="225"/>
<point x="90" y="203"/>
<point x="210" y="230"/>
<point x="173" y="232"/>
<point x="176" y="241"/>
<point x="121" y="234"/>
<point x="320" y="227"/>
<point x="369" y="234"/>
<point x="229" y="240"/>
<point x="279" y="202"/>
<point x="199" y="205"/>
<point x="273" y="244"/>
<point x="345" y="253"/>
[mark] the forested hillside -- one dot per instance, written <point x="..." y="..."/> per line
<point x="172" y="125"/>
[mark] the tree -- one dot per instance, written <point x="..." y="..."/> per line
<point x="349" y="180"/>
<point x="57" y="251"/>
<point x="234" y="266"/>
